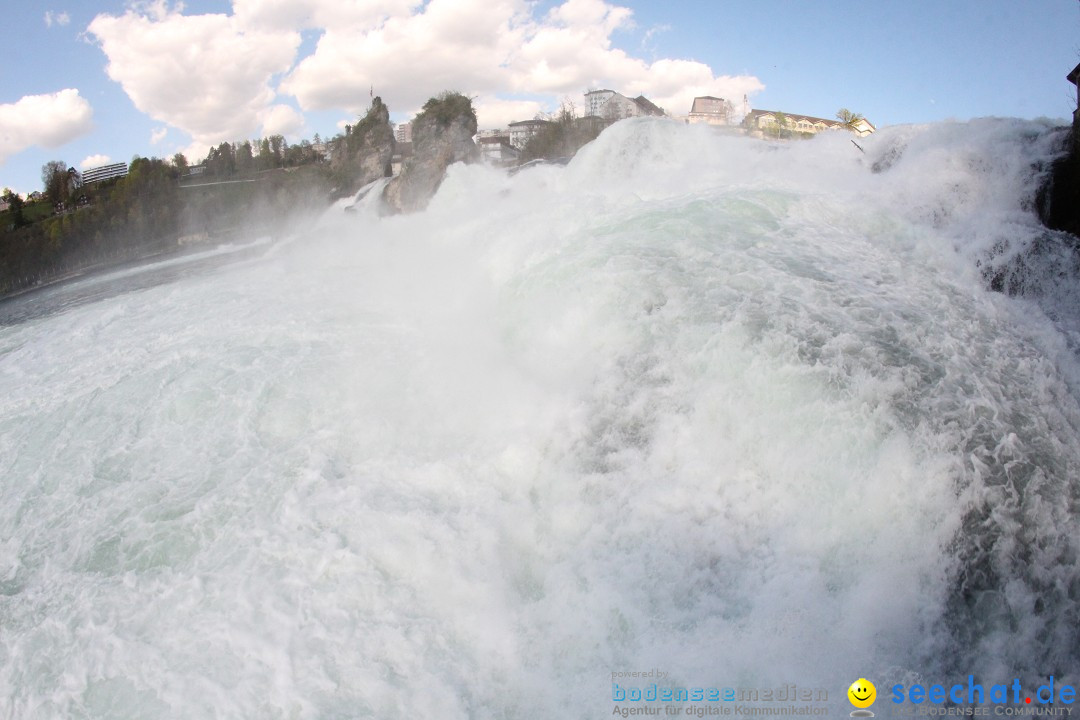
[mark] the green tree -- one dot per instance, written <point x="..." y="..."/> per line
<point x="562" y="137"/>
<point x="180" y="162"/>
<point x="15" y="209"/>
<point x="54" y="177"/>
<point x="221" y="160"/>
<point x="245" y="161"/>
<point x="445" y="108"/>
<point x="782" y="126"/>
<point x="851" y="120"/>
<point x="266" y="158"/>
<point x="301" y="154"/>
<point x="277" y="147"/>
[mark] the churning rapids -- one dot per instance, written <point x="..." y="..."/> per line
<point x="741" y="411"/>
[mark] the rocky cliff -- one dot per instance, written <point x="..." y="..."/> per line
<point x="1058" y="201"/>
<point x="442" y="135"/>
<point x="366" y="150"/>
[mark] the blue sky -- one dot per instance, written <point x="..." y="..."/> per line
<point x="86" y="82"/>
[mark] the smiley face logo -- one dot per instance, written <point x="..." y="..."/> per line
<point x="862" y="693"/>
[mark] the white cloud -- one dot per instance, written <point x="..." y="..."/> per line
<point x="94" y="161"/>
<point x="204" y="74"/>
<point x="282" y="120"/>
<point x="652" y="32"/>
<point x="214" y="76"/>
<point x="595" y="17"/>
<point x="156" y="9"/>
<point x="196" y="152"/>
<point x="448" y="45"/>
<point x="492" y="112"/>
<point x="158" y="134"/>
<point x="45" y="120"/>
<point x="60" y="18"/>
<point x="673" y="84"/>
<point x="488" y="47"/>
<point x="294" y="14"/>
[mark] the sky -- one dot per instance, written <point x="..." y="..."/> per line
<point x="90" y="83"/>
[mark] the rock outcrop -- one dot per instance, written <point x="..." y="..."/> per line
<point x="366" y="150"/>
<point x="1058" y="200"/>
<point x="442" y="135"/>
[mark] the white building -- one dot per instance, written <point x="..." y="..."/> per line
<point x="523" y="130"/>
<point x="595" y="99"/>
<point x="496" y="149"/>
<point x="403" y="132"/>
<point x="104" y="172"/>
<point x="863" y="128"/>
<point x="710" y="110"/>
<point x="612" y="106"/>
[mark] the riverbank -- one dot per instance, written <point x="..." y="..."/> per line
<point x="150" y="214"/>
<point x="92" y="284"/>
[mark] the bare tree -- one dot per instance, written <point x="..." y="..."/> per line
<point x="54" y="177"/>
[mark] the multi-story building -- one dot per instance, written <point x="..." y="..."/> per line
<point x="104" y="172"/>
<point x="765" y="122"/>
<point x="523" y="130"/>
<point x="595" y="99"/>
<point x="497" y="149"/>
<point x="612" y="106"/>
<point x="710" y="110"/>
<point x="403" y="132"/>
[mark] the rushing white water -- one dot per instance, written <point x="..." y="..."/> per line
<point x="739" y="411"/>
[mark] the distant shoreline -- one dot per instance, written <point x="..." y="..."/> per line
<point x="104" y="268"/>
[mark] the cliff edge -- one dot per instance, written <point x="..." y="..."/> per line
<point x="1058" y="200"/>
<point x="368" y="148"/>
<point x="442" y="135"/>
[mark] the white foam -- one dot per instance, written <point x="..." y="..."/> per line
<point x="712" y="405"/>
